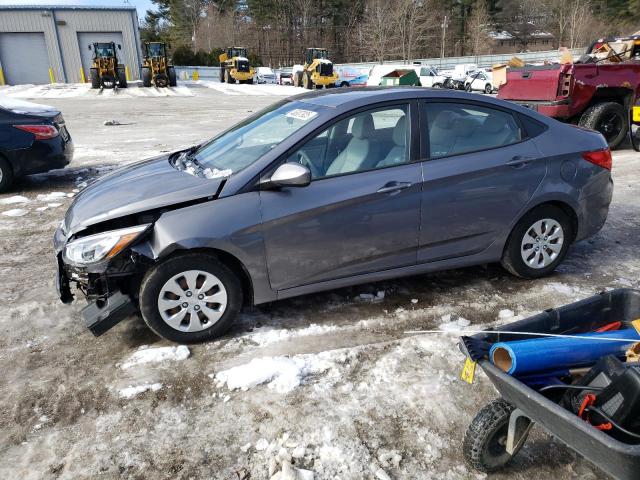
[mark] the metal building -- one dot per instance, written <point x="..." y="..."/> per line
<point x="48" y="44"/>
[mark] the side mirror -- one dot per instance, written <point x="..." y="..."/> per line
<point x="119" y="47"/>
<point x="289" y="175"/>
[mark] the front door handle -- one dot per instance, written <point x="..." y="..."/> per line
<point x="394" y="187"/>
<point x="519" y="161"/>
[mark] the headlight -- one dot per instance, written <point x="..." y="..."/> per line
<point x="97" y="247"/>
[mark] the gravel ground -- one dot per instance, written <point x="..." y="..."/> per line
<point x="329" y="378"/>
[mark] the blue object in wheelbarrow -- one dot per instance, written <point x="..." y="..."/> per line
<point x="501" y="428"/>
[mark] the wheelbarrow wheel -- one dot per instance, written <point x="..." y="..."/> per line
<point x="486" y="439"/>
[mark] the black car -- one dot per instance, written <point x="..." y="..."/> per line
<point x="33" y="139"/>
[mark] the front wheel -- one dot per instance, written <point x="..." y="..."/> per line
<point x="122" y="78"/>
<point x="488" y="88"/>
<point x="538" y="243"/>
<point x="190" y="298"/>
<point x="173" y="79"/>
<point x="485" y="442"/>
<point x="146" y="77"/>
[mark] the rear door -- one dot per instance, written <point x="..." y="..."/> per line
<point x="481" y="171"/>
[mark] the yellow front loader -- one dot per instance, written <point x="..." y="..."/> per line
<point x="317" y="71"/>
<point x="235" y="66"/>
<point x="156" y="66"/>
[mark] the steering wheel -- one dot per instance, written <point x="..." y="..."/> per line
<point x="303" y="159"/>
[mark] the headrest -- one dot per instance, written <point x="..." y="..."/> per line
<point x="363" y="126"/>
<point x="465" y="127"/>
<point x="400" y="132"/>
<point x="445" y="119"/>
<point x="493" y="124"/>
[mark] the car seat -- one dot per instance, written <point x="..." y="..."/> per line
<point x="358" y="153"/>
<point x="398" y="153"/>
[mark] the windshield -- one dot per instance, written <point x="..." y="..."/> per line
<point x="104" y="50"/>
<point x="245" y="143"/>
<point x="155" y="50"/>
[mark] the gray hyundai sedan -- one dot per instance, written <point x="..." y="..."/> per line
<point x="326" y="190"/>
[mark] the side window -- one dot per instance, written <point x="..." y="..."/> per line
<point x="456" y="128"/>
<point x="366" y="141"/>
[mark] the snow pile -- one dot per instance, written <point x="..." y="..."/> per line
<point x="505" y="314"/>
<point x="48" y="197"/>
<point x="131" y="392"/>
<point x="15" y="212"/>
<point x="449" y="325"/>
<point x="156" y="355"/>
<point x="268" y="336"/>
<point x="13" y="200"/>
<point x="283" y="374"/>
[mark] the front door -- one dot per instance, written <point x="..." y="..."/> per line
<point x="361" y="212"/>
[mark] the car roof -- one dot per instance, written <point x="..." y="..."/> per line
<point x="354" y="97"/>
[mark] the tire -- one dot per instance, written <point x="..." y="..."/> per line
<point x="484" y="445"/>
<point x="555" y="245"/>
<point x="222" y="74"/>
<point x="173" y="79"/>
<point x="488" y="88"/>
<point x="158" y="276"/>
<point x="94" y="78"/>
<point x="250" y="81"/>
<point x="122" y="78"/>
<point x="437" y="85"/>
<point x="608" y="118"/>
<point x="306" y="81"/>
<point x="344" y="84"/>
<point x="228" y="78"/>
<point x="146" y="77"/>
<point x="108" y="81"/>
<point x="6" y="175"/>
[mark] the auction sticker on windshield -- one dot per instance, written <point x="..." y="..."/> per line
<point x="300" y="114"/>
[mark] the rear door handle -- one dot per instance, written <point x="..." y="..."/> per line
<point x="394" y="187"/>
<point x="519" y="161"/>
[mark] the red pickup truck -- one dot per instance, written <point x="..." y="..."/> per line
<point x="596" y="92"/>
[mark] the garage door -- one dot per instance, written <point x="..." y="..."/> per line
<point x="89" y="38"/>
<point x="24" y="58"/>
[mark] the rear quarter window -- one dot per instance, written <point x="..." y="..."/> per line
<point x="532" y="128"/>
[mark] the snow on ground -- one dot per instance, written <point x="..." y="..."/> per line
<point x="156" y="355"/>
<point x="334" y="386"/>
<point x="252" y="90"/>
<point x="70" y="90"/>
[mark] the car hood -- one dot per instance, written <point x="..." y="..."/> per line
<point x="144" y="186"/>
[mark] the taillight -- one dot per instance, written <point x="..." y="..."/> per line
<point x="42" y="132"/>
<point x="602" y="158"/>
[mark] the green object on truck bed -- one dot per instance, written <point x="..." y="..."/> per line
<point x="400" y="77"/>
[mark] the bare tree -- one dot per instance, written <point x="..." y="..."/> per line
<point x="378" y="28"/>
<point x="412" y="23"/>
<point x="478" y="28"/>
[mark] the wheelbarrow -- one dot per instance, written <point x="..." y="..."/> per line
<point x="501" y="428"/>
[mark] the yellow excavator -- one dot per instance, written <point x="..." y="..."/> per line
<point x="156" y="66"/>
<point x="235" y="66"/>
<point x="317" y="71"/>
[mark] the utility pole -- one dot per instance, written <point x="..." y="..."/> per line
<point x="445" y="24"/>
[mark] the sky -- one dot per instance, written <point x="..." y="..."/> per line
<point x="141" y="5"/>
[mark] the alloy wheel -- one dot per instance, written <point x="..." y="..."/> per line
<point x="192" y="301"/>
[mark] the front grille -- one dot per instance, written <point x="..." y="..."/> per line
<point x="243" y="66"/>
<point x="326" y="69"/>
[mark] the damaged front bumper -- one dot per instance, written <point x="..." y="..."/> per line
<point x="103" y="285"/>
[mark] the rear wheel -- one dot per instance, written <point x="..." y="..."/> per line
<point x="608" y="118"/>
<point x="488" y="88"/>
<point x="146" y="77"/>
<point x="437" y="85"/>
<point x="190" y="298"/>
<point x="122" y="78"/>
<point x="306" y="81"/>
<point x="173" y="79"/>
<point x="222" y="76"/>
<point x="485" y="442"/>
<point x="6" y="175"/>
<point x="94" y="78"/>
<point x="538" y="243"/>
